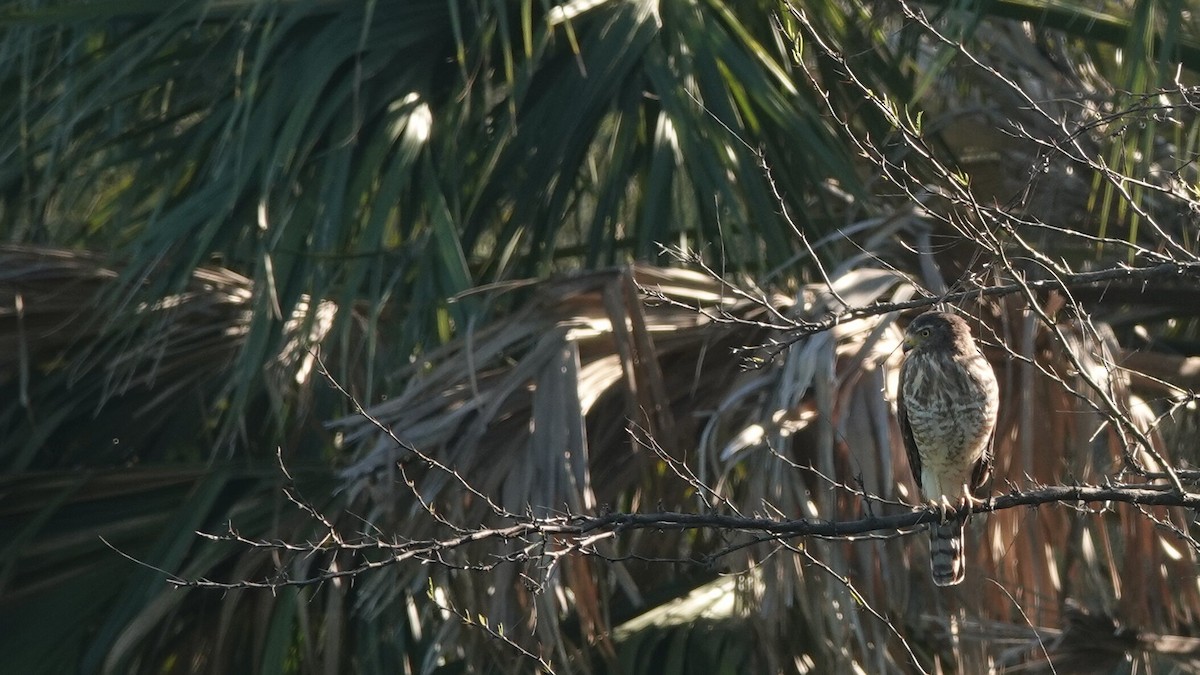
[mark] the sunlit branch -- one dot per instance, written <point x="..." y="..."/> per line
<point x="1161" y="272"/>
<point x="576" y="534"/>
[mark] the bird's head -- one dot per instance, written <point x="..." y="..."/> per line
<point x="938" y="330"/>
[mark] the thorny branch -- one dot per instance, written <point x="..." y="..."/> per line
<point x="577" y="533"/>
<point x="798" y="329"/>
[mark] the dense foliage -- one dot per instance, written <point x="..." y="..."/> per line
<point x="214" y="211"/>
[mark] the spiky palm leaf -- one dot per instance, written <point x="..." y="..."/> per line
<point x="403" y="151"/>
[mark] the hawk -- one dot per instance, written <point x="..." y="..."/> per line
<point x="947" y="408"/>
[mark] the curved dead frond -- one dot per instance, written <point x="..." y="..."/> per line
<point x="593" y="399"/>
<point x="104" y="386"/>
<point x="630" y="390"/>
<point x="109" y="431"/>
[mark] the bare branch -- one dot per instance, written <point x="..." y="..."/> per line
<point x="576" y="534"/>
<point x="1159" y="272"/>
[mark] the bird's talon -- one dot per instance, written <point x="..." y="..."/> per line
<point x="946" y="509"/>
<point x="935" y="504"/>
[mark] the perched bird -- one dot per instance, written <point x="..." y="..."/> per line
<point x="947" y="408"/>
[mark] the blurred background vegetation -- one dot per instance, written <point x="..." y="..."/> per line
<point x="460" y="206"/>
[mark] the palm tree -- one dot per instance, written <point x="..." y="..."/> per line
<point x="215" y="212"/>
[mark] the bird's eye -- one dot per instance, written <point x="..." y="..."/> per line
<point x="924" y="332"/>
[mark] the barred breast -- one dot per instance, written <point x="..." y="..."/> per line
<point x="951" y="403"/>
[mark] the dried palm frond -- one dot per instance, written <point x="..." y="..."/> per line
<point x="585" y="132"/>
<point x="592" y="399"/>
<point x="113" y="383"/>
<point x="107" y="435"/>
<point x="617" y="391"/>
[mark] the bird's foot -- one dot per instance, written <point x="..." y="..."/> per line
<point x="944" y="508"/>
<point x="969" y="500"/>
<point x="973" y="502"/>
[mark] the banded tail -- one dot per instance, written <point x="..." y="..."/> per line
<point x="947" y="559"/>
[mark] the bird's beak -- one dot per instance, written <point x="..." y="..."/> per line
<point x="909" y="343"/>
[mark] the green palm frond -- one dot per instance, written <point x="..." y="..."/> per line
<point x="260" y="184"/>
<point x="404" y="151"/>
<point x="95" y="547"/>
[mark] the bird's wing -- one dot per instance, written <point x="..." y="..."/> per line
<point x="910" y="444"/>
<point x="982" y="470"/>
